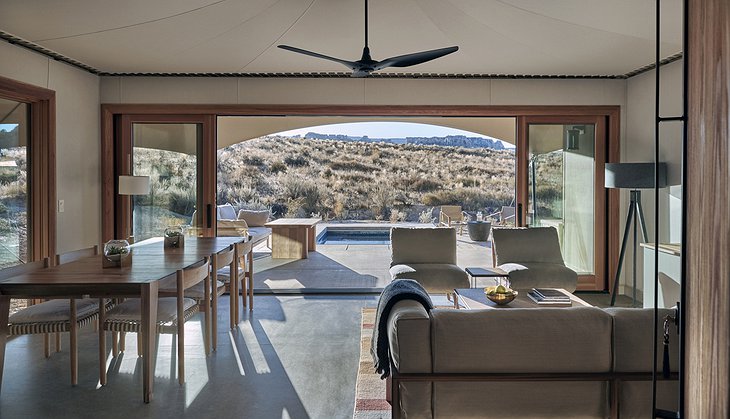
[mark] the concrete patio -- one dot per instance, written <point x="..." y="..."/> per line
<point x="359" y="267"/>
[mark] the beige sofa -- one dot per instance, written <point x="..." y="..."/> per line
<point x="428" y="256"/>
<point x="532" y="257"/>
<point x="570" y="362"/>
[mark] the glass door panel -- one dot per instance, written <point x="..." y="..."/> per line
<point x="168" y="153"/>
<point x="14" y="186"/>
<point x="561" y="188"/>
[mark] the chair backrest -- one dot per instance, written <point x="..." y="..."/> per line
<point x="535" y="244"/>
<point x="77" y="254"/>
<point x="23" y="268"/>
<point x="223" y="258"/>
<point x="507" y="215"/>
<point x="422" y="245"/>
<point x="453" y="211"/>
<point x="191" y="275"/>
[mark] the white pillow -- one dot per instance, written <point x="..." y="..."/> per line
<point x="226" y="212"/>
<point x="254" y="218"/>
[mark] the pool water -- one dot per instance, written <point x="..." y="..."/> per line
<point x="332" y="235"/>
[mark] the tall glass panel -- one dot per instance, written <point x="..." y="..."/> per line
<point x="561" y="182"/>
<point x="14" y="169"/>
<point x="168" y="154"/>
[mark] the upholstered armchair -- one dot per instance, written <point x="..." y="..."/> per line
<point x="532" y="257"/>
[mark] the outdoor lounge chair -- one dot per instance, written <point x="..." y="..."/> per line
<point x="453" y="216"/>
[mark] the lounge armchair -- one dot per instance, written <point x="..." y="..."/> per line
<point x="428" y="256"/>
<point x="453" y="216"/>
<point x="532" y="257"/>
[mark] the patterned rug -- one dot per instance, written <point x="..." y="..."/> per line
<point x="370" y="389"/>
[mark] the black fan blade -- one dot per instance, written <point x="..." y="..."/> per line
<point x="415" y="58"/>
<point x="349" y="64"/>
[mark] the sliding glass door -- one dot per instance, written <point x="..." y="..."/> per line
<point x="172" y="153"/>
<point x="563" y="188"/>
<point x="14" y="185"/>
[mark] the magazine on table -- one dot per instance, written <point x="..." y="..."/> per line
<point x="548" y="296"/>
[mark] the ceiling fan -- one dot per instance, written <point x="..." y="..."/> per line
<point x="366" y="65"/>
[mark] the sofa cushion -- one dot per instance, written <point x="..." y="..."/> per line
<point x="232" y="228"/>
<point x="254" y="218"/>
<point x="422" y="245"/>
<point x="226" y="212"/>
<point x="576" y="339"/>
<point x="259" y="234"/>
<point x="527" y="275"/>
<point x="534" y="244"/>
<point x="434" y="277"/>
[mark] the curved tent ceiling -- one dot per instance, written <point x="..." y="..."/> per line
<point x="515" y="37"/>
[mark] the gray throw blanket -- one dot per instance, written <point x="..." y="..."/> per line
<point x="400" y="289"/>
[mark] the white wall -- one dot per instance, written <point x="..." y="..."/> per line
<point x="639" y="147"/>
<point x="77" y="140"/>
<point x="361" y="91"/>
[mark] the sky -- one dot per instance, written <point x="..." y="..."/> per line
<point x="385" y="130"/>
<point x="7" y="127"/>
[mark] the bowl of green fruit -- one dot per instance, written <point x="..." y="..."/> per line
<point x="500" y="294"/>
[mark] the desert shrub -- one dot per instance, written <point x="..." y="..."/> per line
<point x="425" y="185"/>
<point x="470" y="182"/>
<point x="397" y="216"/>
<point x="352" y="165"/>
<point x="277" y="167"/>
<point x="305" y="192"/>
<point x="279" y="209"/>
<point x="381" y="198"/>
<point x="426" y="216"/>
<point x="296" y="161"/>
<point x="8" y="177"/>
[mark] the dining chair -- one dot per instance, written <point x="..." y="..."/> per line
<point x="58" y="315"/>
<point x="172" y="313"/>
<point x="243" y="274"/>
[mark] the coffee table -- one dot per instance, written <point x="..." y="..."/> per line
<point x="475" y="273"/>
<point x="474" y="298"/>
<point x="293" y="238"/>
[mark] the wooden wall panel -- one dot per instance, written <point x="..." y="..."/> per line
<point x="707" y="389"/>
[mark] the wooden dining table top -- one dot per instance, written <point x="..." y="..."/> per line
<point x="150" y="262"/>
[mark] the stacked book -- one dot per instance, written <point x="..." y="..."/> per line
<point x="549" y="297"/>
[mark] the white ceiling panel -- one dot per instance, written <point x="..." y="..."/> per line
<point x="513" y="37"/>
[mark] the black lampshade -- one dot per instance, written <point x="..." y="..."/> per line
<point x="634" y="175"/>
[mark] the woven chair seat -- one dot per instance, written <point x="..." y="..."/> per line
<point x="224" y="274"/>
<point x="130" y="312"/>
<point x="52" y="316"/>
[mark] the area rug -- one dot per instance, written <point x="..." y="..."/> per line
<point x="370" y="389"/>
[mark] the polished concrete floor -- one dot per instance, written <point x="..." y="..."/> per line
<point x="292" y="357"/>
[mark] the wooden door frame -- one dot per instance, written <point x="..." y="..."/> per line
<point x="122" y="155"/>
<point x="605" y="151"/>
<point x="42" y="158"/>
<point x="611" y="114"/>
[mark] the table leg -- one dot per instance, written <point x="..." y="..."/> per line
<point x="250" y="280"/>
<point x="312" y="238"/>
<point x="149" y="337"/>
<point x="102" y="342"/>
<point x="4" y="329"/>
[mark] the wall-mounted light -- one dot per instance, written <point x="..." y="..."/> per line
<point x="572" y="137"/>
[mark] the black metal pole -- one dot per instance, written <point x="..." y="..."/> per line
<point x="630" y="217"/>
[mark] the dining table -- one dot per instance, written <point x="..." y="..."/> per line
<point x="152" y="266"/>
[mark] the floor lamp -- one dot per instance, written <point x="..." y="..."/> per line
<point x="133" y="185"/>
<point x="633" y="176"/>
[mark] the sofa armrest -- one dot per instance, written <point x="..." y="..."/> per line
<point x="409" y="337"/>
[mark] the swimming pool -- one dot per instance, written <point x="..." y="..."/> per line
<point x="354" y="235"/>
